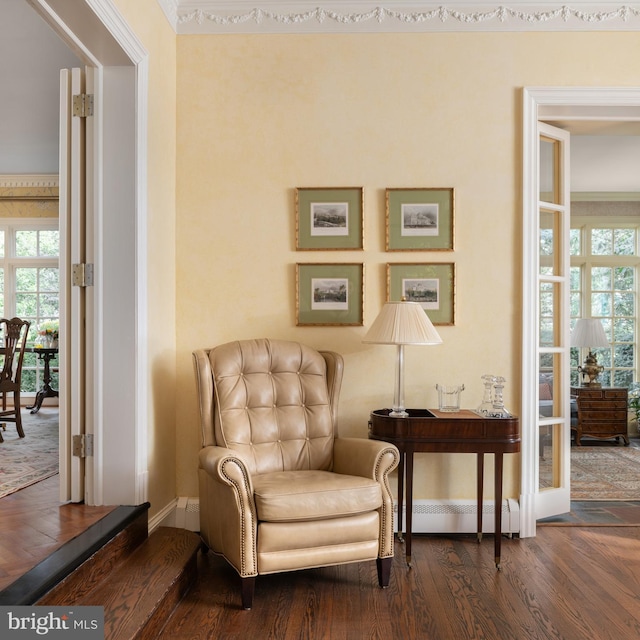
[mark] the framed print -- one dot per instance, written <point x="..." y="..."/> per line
<point x="419" y="219"/>
<point x="430" y="284"/>
<point x="329" y="218"/>
<point x="329" y="294"/>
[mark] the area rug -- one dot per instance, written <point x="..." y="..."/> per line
<point x="25" y="461"/>
<point x="600" y="471"/>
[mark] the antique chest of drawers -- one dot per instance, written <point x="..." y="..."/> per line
<point x="602" y="412"/>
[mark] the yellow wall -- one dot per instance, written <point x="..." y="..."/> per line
<point x="158" y="38"/>
<point x="260" y="115"/>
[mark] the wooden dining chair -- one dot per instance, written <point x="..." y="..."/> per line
<point x="13" y="333"/>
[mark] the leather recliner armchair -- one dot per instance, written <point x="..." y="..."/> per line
<point x="279" y="490"/>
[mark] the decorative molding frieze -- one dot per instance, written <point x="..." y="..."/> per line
<point x="31" y="180"/>
<point x="307" y="16"/>
<point x="170" y="9"/>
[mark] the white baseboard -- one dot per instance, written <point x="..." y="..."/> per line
<point x="183" y="514"/>
<point x="460" y="516"/>
<point x="429" y="516"/>
<point x="165" y="517"/>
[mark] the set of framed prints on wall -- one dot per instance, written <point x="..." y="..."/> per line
<point x="332" y="219"/>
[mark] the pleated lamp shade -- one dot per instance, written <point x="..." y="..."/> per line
<point x="402" y="323"/>
<point x="589" y="332"/>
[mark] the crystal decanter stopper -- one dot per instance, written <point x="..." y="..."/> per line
<point x="498" y="410"/>
<point x="486" y="406"/>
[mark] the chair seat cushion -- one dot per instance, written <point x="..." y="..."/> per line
<point x="289" y="496"/>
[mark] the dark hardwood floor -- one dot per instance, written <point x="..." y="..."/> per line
<point x="567" y="583"/>
<point x="33" y="524"/>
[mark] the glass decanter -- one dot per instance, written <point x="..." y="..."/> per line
<point x="498" y="410"/>
<point x="486" y="406"/>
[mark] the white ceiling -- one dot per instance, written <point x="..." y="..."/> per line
<point x="605" y="154"/>
<point x="30" y="94"/>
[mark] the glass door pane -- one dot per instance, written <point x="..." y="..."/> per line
<point x="550" y="190"/>
<point x="554" y="282"/>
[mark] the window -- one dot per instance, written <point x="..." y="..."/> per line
<point x="604" y="285"/>
<point x="30" y="285"/>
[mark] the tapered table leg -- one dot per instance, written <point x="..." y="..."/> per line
<point x="498" y="507"/>
<point x="400" y="495"/>
<point x="409" y="511"/>
<point x="479" y="492"/>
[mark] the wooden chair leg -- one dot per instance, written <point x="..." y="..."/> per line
<point x="384" y="571"/>
<point x="248" y="589"/>
<point x="16" y="406"/>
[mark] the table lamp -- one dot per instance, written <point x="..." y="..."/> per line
<point x="401" y="323"/>
<point x="589" y="333"/>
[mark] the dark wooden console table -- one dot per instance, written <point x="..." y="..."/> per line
<point x="46" y="390"/>
<point x="464" y="431"/>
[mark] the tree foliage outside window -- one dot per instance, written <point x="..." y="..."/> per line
<point x="604" y="285"/>
<point x="30" y="285"/>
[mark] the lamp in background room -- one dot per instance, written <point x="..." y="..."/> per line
<point x="589" y="333"/>
<point x="401" y="323"/>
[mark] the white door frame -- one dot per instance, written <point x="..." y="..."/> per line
<point x="117" y="386"/>
<point x="573" y="103"/>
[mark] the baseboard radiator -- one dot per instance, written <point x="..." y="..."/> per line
<point x="429" y="516"/>
<point x="460" y="516"/>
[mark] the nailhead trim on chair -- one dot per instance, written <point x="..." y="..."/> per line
<point x="385" y="479"/>
<point x="243" y="558"/>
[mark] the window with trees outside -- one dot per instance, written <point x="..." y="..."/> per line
<point x="30" y="285"/>
<point x="604" y="283"/>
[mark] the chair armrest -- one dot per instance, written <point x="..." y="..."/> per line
<point x="367" y="458"/>
<point x="376" y="460"/>
<point x="226" y="466"/>
<point x="228" y="519"/>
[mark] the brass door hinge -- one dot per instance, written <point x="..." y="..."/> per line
<point x="83" y="105"/>
<point x="83" y="445"/>
<point x="82" y="275"/>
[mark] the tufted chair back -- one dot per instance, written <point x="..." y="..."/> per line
<point x="272" y="401"/>
<point x="278" y="489"/>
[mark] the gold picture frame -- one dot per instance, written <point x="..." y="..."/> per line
<point x="432" y="284"/>
<point x="329" y="218"/>
<point x="329" y="294"/>
<point x="419" y="219"/>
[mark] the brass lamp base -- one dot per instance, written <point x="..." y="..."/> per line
<point x="591" y="370"/>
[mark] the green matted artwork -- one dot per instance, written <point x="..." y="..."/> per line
<point x="419" y="219"/>
<point x="430" y="284"/>
<point x="329" y="218"/>
<point x="329" y="294"/>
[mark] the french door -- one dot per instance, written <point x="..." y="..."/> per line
<point x="75" y="198"/>
<point x="552" y="495"/>
<point x="549" y="104"/>
<point x="545" y="411"/>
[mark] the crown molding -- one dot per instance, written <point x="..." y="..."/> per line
<point x="605" y="196"/>
<point x="29" y="180"/>
<point x="170" y="9"/>
<point x="395" y="16"/>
